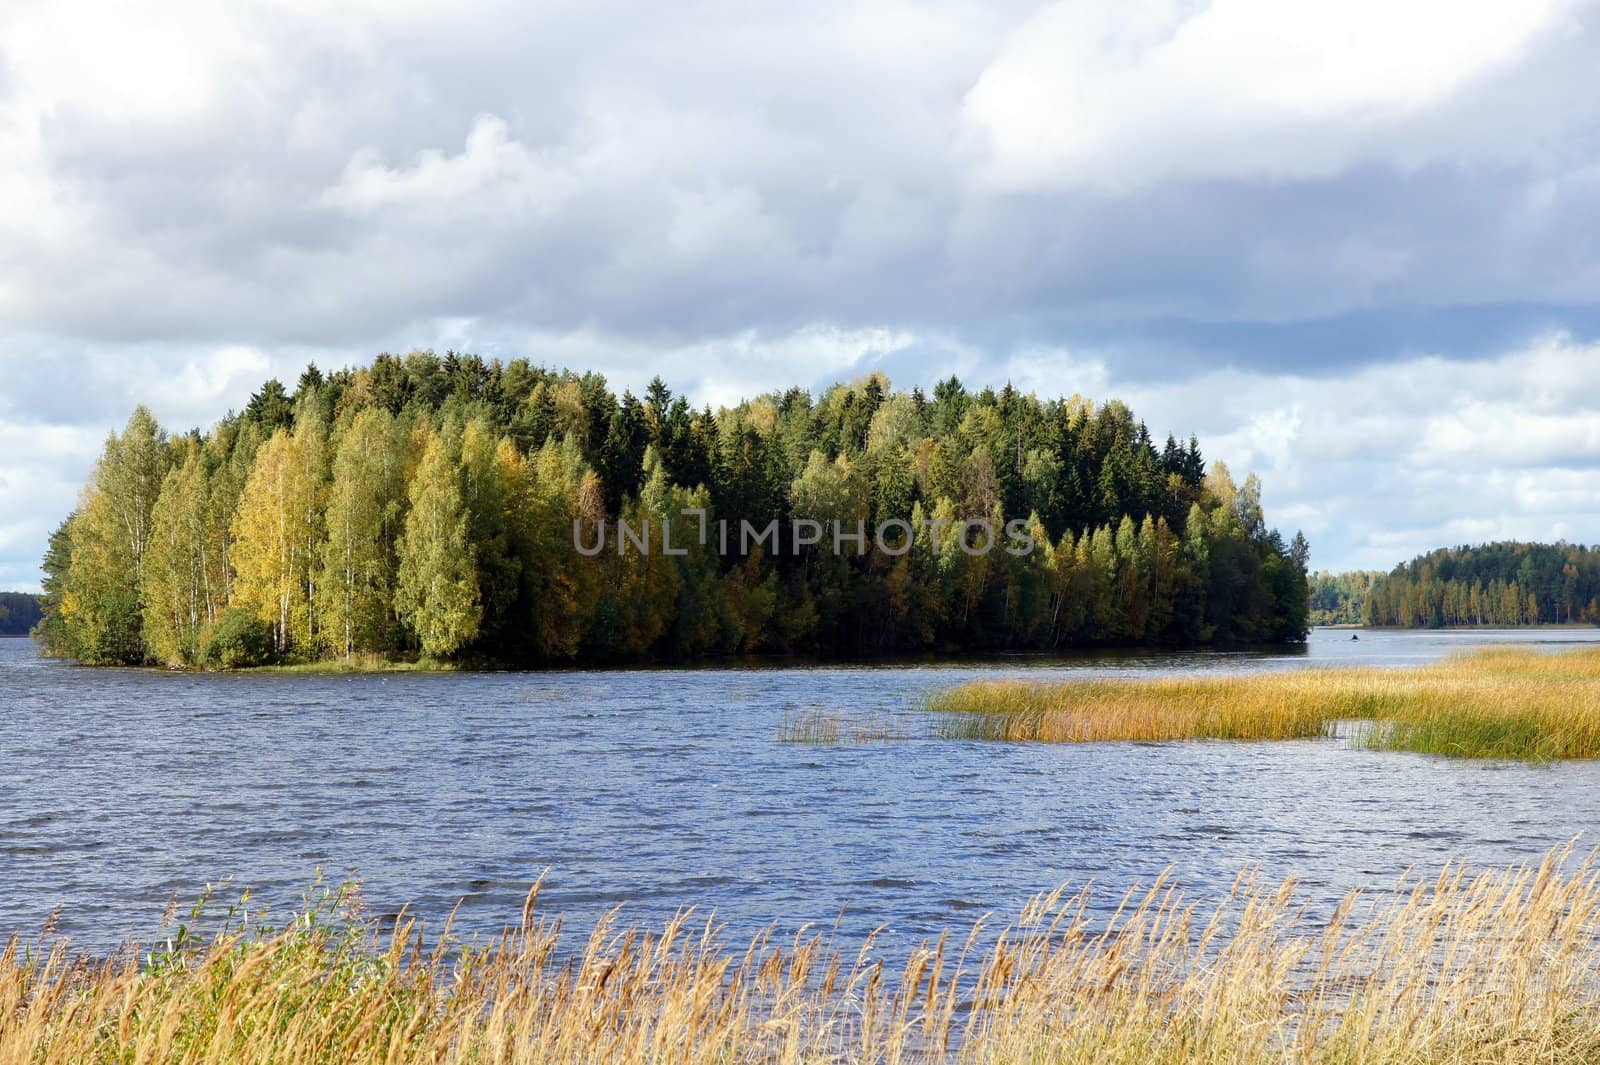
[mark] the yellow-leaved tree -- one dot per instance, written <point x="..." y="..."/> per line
<point x="176" y="581"/>
<point x="364" y="507"/>
<point x="275" y="538"/>
<point x="437" y="592"/>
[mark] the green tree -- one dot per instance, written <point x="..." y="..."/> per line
<point x="56" y="635"/>
<point x="495" y="491"/>
<point x="110" y="534"/>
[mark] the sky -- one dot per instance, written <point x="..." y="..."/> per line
<point x="1353" y="246"/>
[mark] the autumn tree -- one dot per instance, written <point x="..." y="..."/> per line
<point x="437" y="593"/>
<point x="176" y="584"/>
<point x="275" y="538"/>
<point x="363" y="514"/>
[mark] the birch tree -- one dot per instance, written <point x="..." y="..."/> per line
<point x="437" y="593"/>
<point x="364" y="504"/>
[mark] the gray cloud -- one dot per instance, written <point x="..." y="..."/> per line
<point x="194" y="196"/>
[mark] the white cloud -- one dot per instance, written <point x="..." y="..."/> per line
<point x="1057" y="371"/>
<point x="1392" y="460"/>
<point x="41" y="472"/>
<point x="489" y="162"/>
<point x="146" y="60"/>
<point x="1111" y="94"/>
<point x="716" y="371"/>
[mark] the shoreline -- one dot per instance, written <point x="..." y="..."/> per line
<point x="1110" y="653"/>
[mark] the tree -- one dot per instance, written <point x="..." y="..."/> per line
<point x="828" y="492"/>
<point x="99" y="604"/>
<point x="275" y="538"/>
<point x="270" y="409"/>
<point x="364" y="506"/>
<point x="55" y="633"/>
<point x="495" y="488"/>
<point x="1506" y="583"/>
<point x="19" y="613"/>
<point x="560" y="585"/>
<point x="179" y="600"/>
<point x="131" y="472"/>
<point x="437" y="593"/>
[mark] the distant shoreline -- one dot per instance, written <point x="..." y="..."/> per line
<point x="1462" y="628"/>
<point x="1108" y="654"/>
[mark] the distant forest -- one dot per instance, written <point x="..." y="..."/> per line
<point x="427" y="506"/>
<point x="19" y="612"/>
<point x="1499" y="584"/>
<point x="1341" y="598"/>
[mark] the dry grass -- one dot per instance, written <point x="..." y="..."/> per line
<point x="1502" y="966"/>
<point x="1495" y="703"/>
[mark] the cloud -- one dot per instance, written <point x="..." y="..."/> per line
<point x="1249" y="213"/>
<point x="1386" y="462"/>
<point x="40" y="476"/>
<point x="1117" y="95"/>
<point x="269" y="173"/>
<point x="720" y="371"/>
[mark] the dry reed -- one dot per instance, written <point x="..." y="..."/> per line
<point x="1494" y="703"/>
<point x="1499" y="966"/>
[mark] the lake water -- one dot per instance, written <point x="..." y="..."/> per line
<point x="663" y="789"/>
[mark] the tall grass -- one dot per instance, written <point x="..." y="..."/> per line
<point x="1498" y="966"/>
<point x="1494" y="703"/>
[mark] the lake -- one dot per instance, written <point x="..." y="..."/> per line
<point x="662" y="789"/>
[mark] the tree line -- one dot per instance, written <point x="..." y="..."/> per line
<point x="428" y="506"/>
<point x="1341" y="598"/>
<point x="1496" y="584"/>
<point x="19" y="612"/>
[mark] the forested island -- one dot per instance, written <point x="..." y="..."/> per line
<point x="432" y="507"/>
<point x="1496" y="584"/>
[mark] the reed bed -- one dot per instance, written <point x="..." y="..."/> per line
<point x="1497" y="966"/>
<point x="1507" y="703"/>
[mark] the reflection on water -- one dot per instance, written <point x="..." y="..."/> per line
<point x="662" y="789"/>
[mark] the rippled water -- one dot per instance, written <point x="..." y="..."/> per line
<point x="664" y="789"/>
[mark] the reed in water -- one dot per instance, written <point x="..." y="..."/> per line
<point x="1493" y="703"/>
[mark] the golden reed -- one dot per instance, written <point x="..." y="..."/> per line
<point x="1494" y="703"/>
<point x="1463" y="967"/>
